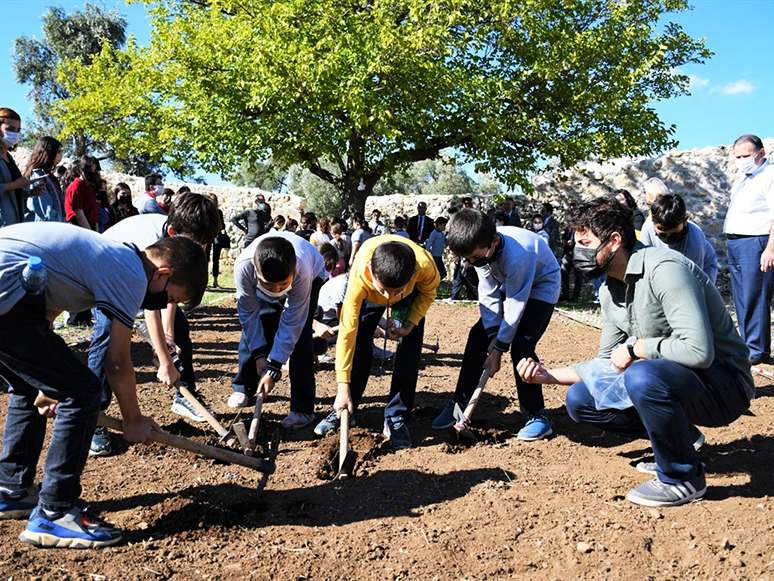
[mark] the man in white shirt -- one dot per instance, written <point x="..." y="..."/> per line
<point x="748" y="227"/>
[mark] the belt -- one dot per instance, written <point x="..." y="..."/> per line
<point x="738" y="236"/>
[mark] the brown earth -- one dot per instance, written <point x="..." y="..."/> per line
<point x="444" y="509"/>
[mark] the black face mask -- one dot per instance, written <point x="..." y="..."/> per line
<point x="484" y="260"/>
<point x="675" y="237"/>
<point x="155" y="301"/>
<point x="585" y="260"/>
<point x="124" y="199"/>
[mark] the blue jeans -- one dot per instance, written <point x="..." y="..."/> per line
<point x="752" y="290"/>
<point x="32" y="358"/>
<point x="668" y="399"/>
<point x="403" y="385"/>
<point x="301" y="364"/>
<point x="534" y="322"/>
<point x="99" y="344"/>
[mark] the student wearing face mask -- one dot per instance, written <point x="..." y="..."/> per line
<point x="537" y="228"/>
<point x="670" y="228"/>
<point x="749" y="228"/>
<point x="278" y="279"/>
<point x="12" y="183"/>
<point x="519" y="281"/>
<point x="122" y="202"/>
<point x="148" y="202"/>
<point x="394" y="274"/>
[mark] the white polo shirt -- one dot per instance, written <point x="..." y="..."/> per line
<point x="751" y="208"/>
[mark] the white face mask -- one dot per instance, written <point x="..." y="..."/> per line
<point x="747" y="165"/>
<point x="159" y="190"/>
<point x="272" y="294"/>
<point x="10" y="139"/>
<point x="537" y="226"/>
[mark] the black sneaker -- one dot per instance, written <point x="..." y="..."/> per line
<point x="100" y="442"/>
<point x="74" y="529"/>
<point x="395" y="429"/>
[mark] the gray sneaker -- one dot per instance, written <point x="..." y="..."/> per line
<point x="185" y="408"/>
<point x="656" y="493"/>
<point x="330" y="423"/>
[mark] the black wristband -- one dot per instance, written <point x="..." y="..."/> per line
<point x="274" y="370"/>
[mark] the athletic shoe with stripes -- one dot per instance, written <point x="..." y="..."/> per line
<point x="656" y="493"/>
<point x="74" y="529"/>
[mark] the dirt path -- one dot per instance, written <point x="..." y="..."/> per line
<point x="499" y="509"/>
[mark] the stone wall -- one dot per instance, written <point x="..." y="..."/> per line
<point x="703" y="177"/>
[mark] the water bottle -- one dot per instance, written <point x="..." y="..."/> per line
<point x="34" y="277"/>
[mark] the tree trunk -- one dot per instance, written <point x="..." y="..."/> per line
<point x="353" y="198"/>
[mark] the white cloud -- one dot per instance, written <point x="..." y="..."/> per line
<point x="696" y="82"/>
<point x="739" y="87"/>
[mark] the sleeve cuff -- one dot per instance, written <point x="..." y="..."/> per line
<point x="260" y="352"/>
<point x="502" y="346"/>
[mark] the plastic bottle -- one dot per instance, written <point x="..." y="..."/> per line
<point x="34" y="277"/>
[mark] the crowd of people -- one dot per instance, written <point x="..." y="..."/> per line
<point x="304" y="286"/>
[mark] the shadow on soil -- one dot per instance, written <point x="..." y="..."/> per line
<point x="381" y="495"/>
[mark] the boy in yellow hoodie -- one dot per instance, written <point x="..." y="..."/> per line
<point x="389" y="272"/>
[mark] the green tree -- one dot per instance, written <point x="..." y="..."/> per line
<point x="265" y="175"/>
<point x="79" y="36"/>
<point x="375" y="86"/>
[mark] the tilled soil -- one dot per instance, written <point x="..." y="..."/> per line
<point x="449" y="508"/>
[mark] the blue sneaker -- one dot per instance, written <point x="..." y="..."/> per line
<point x="100" y="442"/>
<point x="395" y="429"/>
<point x="446" y="418"/>
<point x="74" y="529"/>
<point x="537" y="428"/>
<point x="18" y="504"/>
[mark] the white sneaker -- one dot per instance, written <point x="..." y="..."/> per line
<point x="237" y="400"/>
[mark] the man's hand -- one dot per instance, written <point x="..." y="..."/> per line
<point x="532" y="372"/>
<point x="620" y="358"/>
<point x="139" y="429"/>
<point x="343" y="400"/>
<point x="767" y="260"/>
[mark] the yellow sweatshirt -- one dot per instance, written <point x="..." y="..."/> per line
<point x="361" y="287"/>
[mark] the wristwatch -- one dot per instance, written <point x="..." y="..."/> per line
<point x="630" y="346"/>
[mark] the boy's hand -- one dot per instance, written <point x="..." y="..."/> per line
<point x="405" y="329"/>
<point x="168" y="373"/>
<point x="46" y="406"/>
<point x="139" y="429"/>
<point x="343" y="400"/>
<point x="494" y="358"/>
<point x="265" y="385"/>
<point x="532" y="372"/>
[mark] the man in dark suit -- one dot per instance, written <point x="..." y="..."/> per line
<point x="420" y="226"/>
<point x="513" y="215"/>
<point x="551" y="226"/>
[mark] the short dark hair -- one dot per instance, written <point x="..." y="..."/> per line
<point x="631" y="203"/>
<point x="547" y="209"/>
<point x="753" y="140"/>
<point x="275" y="258"/>
<point x="393" y="264"/>
<point x="668" y="211"/>
<point x="330" y="255"/>
<point x="399" y="222"/>
<point x="502" y="217"/>
<point x="440" y="221"/>
<point x="188" y="263"/>
<point x="467" y="201"/>
<point x="603" y="216"/>
<point x="359" y="219"/>
<point x="470" y="230"/>
<point x="195" y="216"/>
<point x="538" y="217"/>
<point x="150" y="180"/>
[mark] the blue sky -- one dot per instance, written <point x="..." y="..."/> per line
<point x="732" y="93"/>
